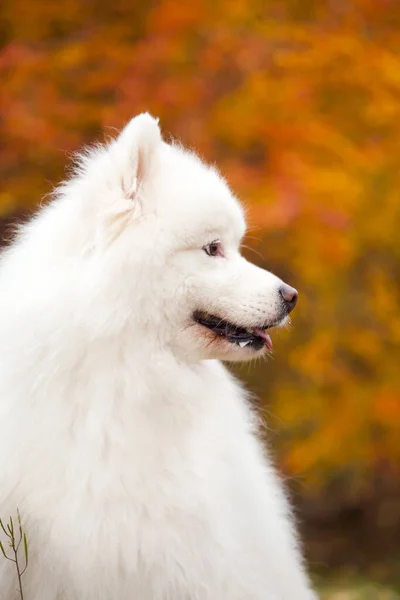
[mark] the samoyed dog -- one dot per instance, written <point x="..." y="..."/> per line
<point x="130" y="451"/>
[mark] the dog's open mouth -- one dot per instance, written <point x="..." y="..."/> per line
<point x="253" y="338"/>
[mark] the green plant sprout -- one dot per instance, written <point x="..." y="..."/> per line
<point x="14" y="545"/>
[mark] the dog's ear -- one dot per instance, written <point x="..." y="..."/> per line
<point x="136" y="147"/>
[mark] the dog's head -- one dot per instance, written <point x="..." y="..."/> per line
<point x="172" y="230"/>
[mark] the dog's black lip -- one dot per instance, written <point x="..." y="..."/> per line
<point x="234" y="333"/>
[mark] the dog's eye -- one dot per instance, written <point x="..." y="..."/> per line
<point x="214" y="249"/>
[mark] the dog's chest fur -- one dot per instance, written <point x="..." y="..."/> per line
<point x="147" y="477"/>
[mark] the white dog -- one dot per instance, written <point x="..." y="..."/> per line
<point x="129" y="450"/>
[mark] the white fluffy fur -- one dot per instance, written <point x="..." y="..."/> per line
<point x="130" y="451"/>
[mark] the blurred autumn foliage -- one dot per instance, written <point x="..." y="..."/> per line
<point x="298" y="102"/>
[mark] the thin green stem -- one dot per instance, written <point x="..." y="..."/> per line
<point x="9" y="532"/>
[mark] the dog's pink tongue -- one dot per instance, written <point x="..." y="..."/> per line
<point x="264" y="336"/>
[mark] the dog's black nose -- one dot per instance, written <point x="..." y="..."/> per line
<point x="289" y="296"/>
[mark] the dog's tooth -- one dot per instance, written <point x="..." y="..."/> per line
<point x="243" y="344"/>
<point x="247" y="343"/>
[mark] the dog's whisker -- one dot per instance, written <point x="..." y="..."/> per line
<point x="253" y="250"/>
